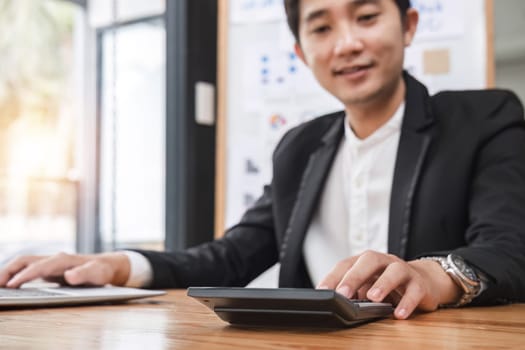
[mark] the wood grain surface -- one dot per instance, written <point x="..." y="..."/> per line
<point x="175" y="321"/>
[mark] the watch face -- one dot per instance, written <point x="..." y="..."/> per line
<point x="464" y="268"/>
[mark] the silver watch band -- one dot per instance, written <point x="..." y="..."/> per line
<point x="470" y="288"/>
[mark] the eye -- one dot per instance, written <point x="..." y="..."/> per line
<point x="321" y="29"/>
<point x="368" y="17"/>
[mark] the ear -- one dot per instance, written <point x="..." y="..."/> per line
<point x="410" y="25"/>
<point x="299" y="52"/>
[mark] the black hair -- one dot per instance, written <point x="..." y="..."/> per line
<point x="292" y="13"/>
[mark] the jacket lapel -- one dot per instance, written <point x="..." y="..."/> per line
<point x="413" y="146"/>
<point x="312" y="181"/>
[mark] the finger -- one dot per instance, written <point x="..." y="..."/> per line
<point x="92" y="272"/>
<point x="15" y="266"/>
<point x="414" y="293"/>
<point x="361" y="293"/>
<point x="47" y="267"/>
<point x="394" y="297"/>
<point x="331" y="280"/>
<point x="56" y="279"/>
<point x="395" y="275"/>
<point x="364" y="269"/>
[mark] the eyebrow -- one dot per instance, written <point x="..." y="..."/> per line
<point x="322" y="12"/>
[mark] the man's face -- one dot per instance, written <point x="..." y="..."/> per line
<point x="355" y="48"/>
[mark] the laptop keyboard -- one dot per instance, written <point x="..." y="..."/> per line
<point x="24" y="293"/>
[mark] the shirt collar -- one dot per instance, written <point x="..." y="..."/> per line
<point x="393" y="125"/>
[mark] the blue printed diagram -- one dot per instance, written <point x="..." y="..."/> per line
<point x="253" y="11"/>
<point x="253" y="5"/>
<point x="426" y="7"/>
<point x="439" y="18"/>
<point x="276" y="70"/>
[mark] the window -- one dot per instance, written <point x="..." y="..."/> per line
<point x="38" y="79"/>
<point x="132" y="127"/>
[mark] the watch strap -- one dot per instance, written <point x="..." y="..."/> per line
<point x="468" y="292"/>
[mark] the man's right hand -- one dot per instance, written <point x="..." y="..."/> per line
<point x="72" y="269"/>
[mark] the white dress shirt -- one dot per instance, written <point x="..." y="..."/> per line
<point x="354" y="209"/>
<point x="141" y="272"/>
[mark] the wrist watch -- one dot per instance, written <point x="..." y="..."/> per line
<point x="462" y="274"/>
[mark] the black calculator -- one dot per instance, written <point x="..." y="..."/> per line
<point x="288" y="307"/>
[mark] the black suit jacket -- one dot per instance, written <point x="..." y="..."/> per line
<point x="459" y="186"/>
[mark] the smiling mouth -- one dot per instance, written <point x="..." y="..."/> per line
<point x="353" y="69"/>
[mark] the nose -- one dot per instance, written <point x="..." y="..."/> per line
<point x="347" y="42"/>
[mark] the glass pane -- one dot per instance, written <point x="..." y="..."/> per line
<point x="38" y="192"/>
<point x="133" y="141"/>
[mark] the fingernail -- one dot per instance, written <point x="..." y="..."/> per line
<point x="374" y="293"/>
<point x="402" y="313"/>
<point x="10" y="283"/>
<point x="344" y="291"/>
<point x="70" y="277"/>
<point x="323" y="286"/>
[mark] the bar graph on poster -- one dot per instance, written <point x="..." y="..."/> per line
<point x="269" y="89"/>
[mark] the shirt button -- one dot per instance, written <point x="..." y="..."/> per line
<point x="359" y="236"/>
<point x="358" y="182"/>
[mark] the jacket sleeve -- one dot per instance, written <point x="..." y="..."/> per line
<point x="245" y="251"/>
<point x="496" y="233"/>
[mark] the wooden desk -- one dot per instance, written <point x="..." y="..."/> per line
<point x="176" y="321"/>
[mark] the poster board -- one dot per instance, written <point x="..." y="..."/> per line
<point x="264" y="89"/>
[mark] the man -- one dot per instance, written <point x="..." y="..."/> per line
<point x="369" y="201"/>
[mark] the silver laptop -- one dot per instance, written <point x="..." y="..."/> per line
<point x="52" y="296"/>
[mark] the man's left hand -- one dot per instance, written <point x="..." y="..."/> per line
<point x="417" y="284"/>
